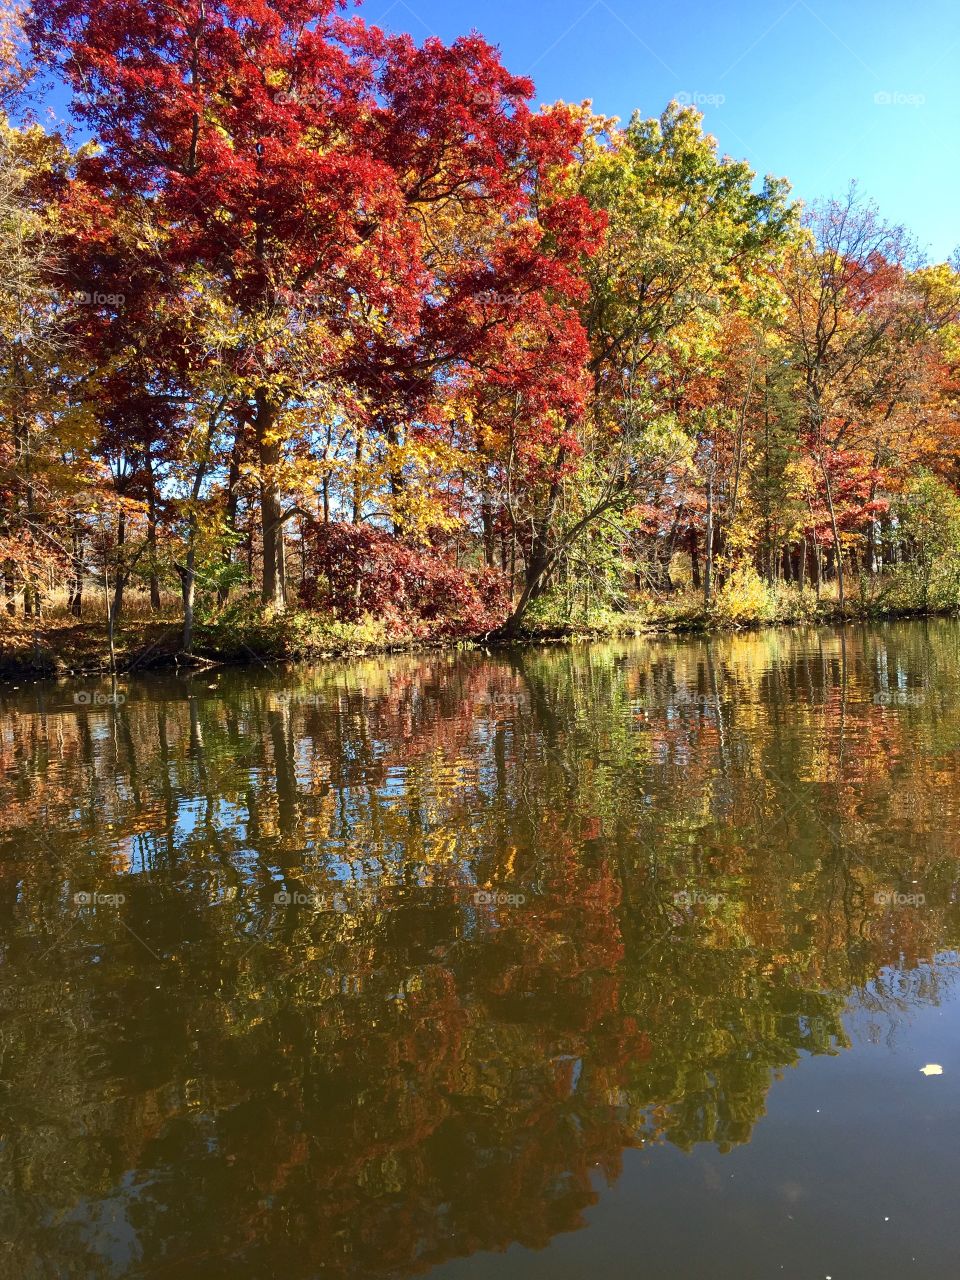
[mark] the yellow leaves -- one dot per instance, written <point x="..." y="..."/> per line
<point x="15" y="69"/>
<point x="940" y="284"/>
<point x="426" y="462"/>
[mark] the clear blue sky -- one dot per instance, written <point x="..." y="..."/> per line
<point x="788" y="85"/>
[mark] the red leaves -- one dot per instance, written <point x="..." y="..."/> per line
<point x="353" y="570"/>
<point x="238" y="121"/>
<point x="404" y="194"/>
<point x="337" y="217"/>
<point x="854" y="485"/>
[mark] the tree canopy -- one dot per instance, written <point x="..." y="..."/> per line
<point x="305" y="274"/>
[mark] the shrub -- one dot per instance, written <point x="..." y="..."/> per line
<point x="793" y="603"/>
<point x="247" y="632"/>
<point x="929" y="515"/>
<point x="745" y="597"/>
<point x="355" y="570"/>
<point x="244" y="631"/>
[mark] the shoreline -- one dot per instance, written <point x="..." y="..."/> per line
<point x="150" y="646"/>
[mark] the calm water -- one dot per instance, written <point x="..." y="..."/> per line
<point x="615" y="961"/>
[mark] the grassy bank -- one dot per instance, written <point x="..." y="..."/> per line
<point x="244" y="634"/>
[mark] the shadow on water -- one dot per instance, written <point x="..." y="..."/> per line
<point x="362" y="970"/>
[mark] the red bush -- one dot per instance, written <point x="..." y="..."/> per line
<point x="354" y="570"/>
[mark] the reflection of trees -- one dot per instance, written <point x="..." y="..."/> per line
<point x="218" y="1079"/>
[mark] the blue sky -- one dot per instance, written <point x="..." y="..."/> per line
<point x="819" y="92"/>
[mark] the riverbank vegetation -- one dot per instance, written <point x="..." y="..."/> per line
<point x="320" y="340"/>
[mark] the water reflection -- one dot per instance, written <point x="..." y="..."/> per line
<point x="350" y="972"/>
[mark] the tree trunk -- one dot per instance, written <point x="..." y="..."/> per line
<point x="152" y="533"/>
<point x="230" y="516"/>
<point x="188" y="586"/>
<point x="786" y="565"/>
<point x="111" y="621"/>
<point x="486" y="516"/>
<point x="271" y="506"/>
<point x="398" y="487"/>
<point x="537" y="575"/>
<point x="76" y="582"/>
<point x="708" y="547"/>
<point x="695" y="560"/>
<point x="540" y="561"/>
<point x="121" y="578"/>
<point x="838" y="553"/>
<point x="870" y="551"/>
<point x="357" y="487"/>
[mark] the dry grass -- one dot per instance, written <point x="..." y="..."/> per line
<point x="136" y="606"/>
<point x="59" y="643"/>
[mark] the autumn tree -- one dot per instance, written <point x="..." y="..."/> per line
<point x="685" y="228"/>
<point x="844" y="294"/>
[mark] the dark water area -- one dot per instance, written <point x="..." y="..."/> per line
<point x="624" y="960"/>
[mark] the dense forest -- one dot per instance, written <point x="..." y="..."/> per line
<point x="301" y="319"/>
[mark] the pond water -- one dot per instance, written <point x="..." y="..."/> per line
<point x="620" y="960"/>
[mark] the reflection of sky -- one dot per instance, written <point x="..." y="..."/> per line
<point x="105" y="1224"/>
<point x="851" y="1173"/>
<point x="224" y="815"/>
<point x="887" y="1006"/>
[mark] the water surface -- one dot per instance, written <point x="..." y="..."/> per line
<point x="617" y="960"/>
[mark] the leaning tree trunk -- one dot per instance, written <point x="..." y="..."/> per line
<point x="541" y="558"/>
<point x="535" y="583"/>
<point x="188" y="588"/>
